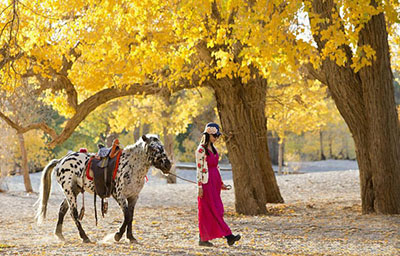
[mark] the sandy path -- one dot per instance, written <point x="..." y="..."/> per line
<point x="321" y="216"/>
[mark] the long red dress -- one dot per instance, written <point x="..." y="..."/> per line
<point x="210" y="207"/>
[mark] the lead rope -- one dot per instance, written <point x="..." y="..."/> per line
<point x="228" y="187"/>
<point x="182" y="178"/>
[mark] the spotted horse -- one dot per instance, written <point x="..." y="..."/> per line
<point x="71" y="175"/>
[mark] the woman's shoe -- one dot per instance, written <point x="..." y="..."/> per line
<point x="205" y="243"/>
<point x="231" y="239"/>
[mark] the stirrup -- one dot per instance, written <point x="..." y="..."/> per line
<point x="104" y="208"/>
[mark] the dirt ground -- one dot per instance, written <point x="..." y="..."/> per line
<point x="313" y="221"/>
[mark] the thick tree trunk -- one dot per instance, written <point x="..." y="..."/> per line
<point x="25" y="169"/>
<point x="366" y="102"/>
<point x="241" y="109"/>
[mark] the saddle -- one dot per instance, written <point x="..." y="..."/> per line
<point x="104" y="166"/>
<point x="104" y="169"/>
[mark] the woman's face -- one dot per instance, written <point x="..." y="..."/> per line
<point x="213" y="138"/>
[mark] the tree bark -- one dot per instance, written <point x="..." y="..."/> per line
<point x="169" y="147"/>
<point x="24" y="165"/>
<point x="366" y="102"/>
<point x="321" y="146"/>
<point x="241" y="110"/>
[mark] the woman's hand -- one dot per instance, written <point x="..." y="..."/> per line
<point x="200" y="193"/>
<point x="226" y="187"/>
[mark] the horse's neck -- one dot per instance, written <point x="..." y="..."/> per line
<point x="138" y="159"/>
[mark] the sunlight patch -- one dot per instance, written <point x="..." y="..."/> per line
<point x="108" y="239"/>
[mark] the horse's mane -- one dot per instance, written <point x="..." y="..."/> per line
<point x="139" y="143"/>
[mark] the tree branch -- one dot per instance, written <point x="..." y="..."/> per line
<point x="20" y="129"/>
<point x="101" y="97"/>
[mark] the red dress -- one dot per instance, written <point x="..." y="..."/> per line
<point x="210" y="207"/>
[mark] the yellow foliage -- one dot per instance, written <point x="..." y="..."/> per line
<point x="10" y="152"/>
<point x="157" y="111"/>
<point x="126" y="42"/>
<point x="38" y="152"/>
<point x="296" y="108"/>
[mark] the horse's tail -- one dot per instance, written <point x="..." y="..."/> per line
<point x="45" y="186"/>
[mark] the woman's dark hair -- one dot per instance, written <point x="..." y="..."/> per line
<point x="205" y="140"/>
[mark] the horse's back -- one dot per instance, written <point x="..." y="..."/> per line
<point x="71" y="168"/>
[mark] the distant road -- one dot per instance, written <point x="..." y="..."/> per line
<point x="293" y="167"/>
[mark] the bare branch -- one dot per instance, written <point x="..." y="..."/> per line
<point x="215" y="12"/>
<point x="20" y="129"/>
<point x="10" y="122"/>
<point x="42" y="126"/>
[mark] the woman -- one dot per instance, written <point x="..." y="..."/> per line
<point x="210" y="207"/>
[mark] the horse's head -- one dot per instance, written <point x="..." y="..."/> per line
<point x="156" y="153"/>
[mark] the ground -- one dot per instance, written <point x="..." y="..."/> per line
<point x="321" y="216"/>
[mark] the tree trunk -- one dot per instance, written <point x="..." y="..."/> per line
<point x="280" y="156"/>
<point x="3" y="174"/>
<point x="330" y="146"/>
<point x="346" y="149"/>
<point x="169" y="148"/>
<point x="366" y="102"/>
<point x="136" y="134"/>
<point x="25" y="169"/>
<point x="273" y="147"/>
<point x="110" y="138"/>
<point x="241" y="110"/>
<point x="321" y="146"/>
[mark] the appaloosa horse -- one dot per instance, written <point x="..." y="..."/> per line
<point x="133" y="166"/>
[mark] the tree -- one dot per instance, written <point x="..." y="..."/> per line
<point x="357" y="71"/>
<point x="24" y="108"/>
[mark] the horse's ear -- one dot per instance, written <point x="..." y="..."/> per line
<point x="144" y="138"/>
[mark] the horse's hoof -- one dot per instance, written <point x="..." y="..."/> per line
<point x="133" y="241"/>
<point x="117" y="237"/>
<point x="86" y="241"/>
<point x="60" y="237"/>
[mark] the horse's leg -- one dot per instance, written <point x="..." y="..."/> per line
<point x="131" y="208"/>
<point x="71" y="197"/>
<point x="63" y="210"/>
<point x="124" y="207"/>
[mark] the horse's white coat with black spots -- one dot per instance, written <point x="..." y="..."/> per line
<point x="133" y="166"/>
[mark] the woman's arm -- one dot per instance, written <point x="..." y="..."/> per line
<point x="200" y="155"/>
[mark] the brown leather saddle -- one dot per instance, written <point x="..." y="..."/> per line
<point x="103" y="170"/>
